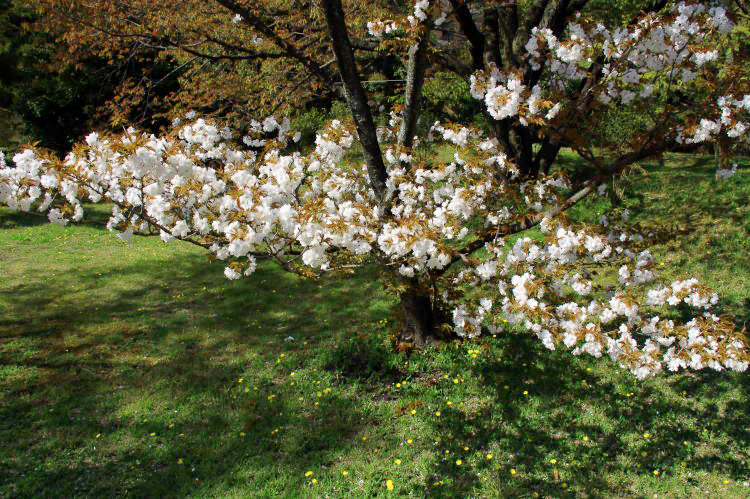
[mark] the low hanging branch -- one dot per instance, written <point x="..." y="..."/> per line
<point x="315" y="212"/>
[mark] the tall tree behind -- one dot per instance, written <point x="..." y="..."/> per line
<point x="41" y="101"/>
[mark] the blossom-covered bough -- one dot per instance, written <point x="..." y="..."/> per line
<point x="451" y="237"/>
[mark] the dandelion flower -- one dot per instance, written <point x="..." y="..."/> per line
<point x="308" y="474"/>
<point x="553" y="461"/>
<point x="513" y="471"/>
<point x="437" y="413"/>
<point x="314" y="481"/>
<point x="397" y="462"/>
<point x="585" y="439"/>
<point x="413" y="411"/>
<point x="389" y="484"/>
<point x="656" y="472"/>
<point x="345" y="473"/>
<point x="646" y="435"/>
<point x="459" y="462"/>
<point x="489" y="456"/>
<point x="410" y="441"/>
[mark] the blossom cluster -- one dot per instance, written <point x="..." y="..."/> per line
<point x="625" y="65"/>
<point x="419" y="16"/>
<point x="315" y="211"/>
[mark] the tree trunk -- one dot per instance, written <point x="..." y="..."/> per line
<point x="418" y="318"/>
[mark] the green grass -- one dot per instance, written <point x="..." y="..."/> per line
<point x="138" y="370"/>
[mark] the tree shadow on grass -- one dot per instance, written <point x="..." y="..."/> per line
<point x="164" y="349"/>
<point x="630" y="427"/>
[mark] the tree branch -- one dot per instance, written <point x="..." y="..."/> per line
<point x="267" y="30"/>
<point x="414" y="79"/>
<point x="355" y="95"/>
<point x="469" y="28"/>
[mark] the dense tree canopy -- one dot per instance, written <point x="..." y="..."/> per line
<point x="452" y="237"/>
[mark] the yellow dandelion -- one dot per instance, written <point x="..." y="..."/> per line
<point x="397" y="462"/>
<point x="409" y="442"/>
<point x="455" y="381"/>
<point x="466" y="447"/>
<point x="525" y="392"/>
<point x="437" y="413"/>
<point x="389" y="484"/>
<point x="308" y="474"/>
<point x="656" y="472"/>
<point x="314" y="481"/>
<point x="398" y="385"/>
<point x="152" y="434"/>
<point x="489" y="456"/>
<point x="449" y="403"/>
<point x="513" y="471"/>
<point x="98" y="435"/>
<point x="726" y="482"/>
<point x="646" y="435"/>
<point x="345" y="473"/>
<point x="292" y="374"/>
<point x="413" y="411"/>
<point x="459" y="462"/>
<point x="240" y="380"/>
<point x="585" y="439"/>
<point x="553" y="461"/>
<point x="364" y="438"/>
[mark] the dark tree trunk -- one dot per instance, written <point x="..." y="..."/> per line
<point x="355" y="94"/>
<point x="418" y="318"/>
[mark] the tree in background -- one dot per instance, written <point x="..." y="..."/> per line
<point x="54" y="106"/>
<point x="451" y="237"/>
<point x="275" y="58"/>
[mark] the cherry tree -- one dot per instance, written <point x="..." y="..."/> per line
<point x="453" y="239"/>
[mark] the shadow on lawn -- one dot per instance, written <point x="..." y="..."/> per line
<point x="530" y="432"/>
<point x="150" y="347"/>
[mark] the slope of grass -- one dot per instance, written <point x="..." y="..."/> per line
<point x="138" y="370"/>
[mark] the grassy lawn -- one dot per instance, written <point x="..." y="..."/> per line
<point x="139" y="370"/>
